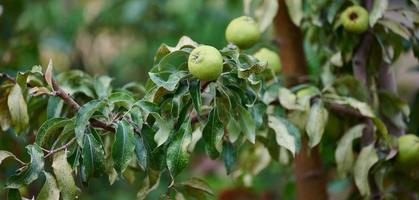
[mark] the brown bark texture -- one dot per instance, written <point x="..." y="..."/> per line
<point x="308" y="167"/>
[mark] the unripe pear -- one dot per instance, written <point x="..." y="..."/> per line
<point x="408" y="150"/>
<point x="271" y="57"/>
<point x="205" y="63"/>
<point x="355" y="19"/>
<point x="243" y="32"/>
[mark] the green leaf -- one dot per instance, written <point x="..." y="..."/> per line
<point x="76" y="81"/>
<point x="148" y="107"/>
<point x="48" y="130"/>
<point x="229" y="156"/>
<point x="366" y="159"/>
<point x="247" y="123"/>
<point x="265" y="13"/>
<point x="4" y="155"/>
<point x="362" y="107"/>
<point x="63" y="174"/>
<point x="123" y="147"/>
<point x="177" y="156"/>
<point x="13" y="194"/>
<point x="83" y="116"/>
<point x="123" y="99"/>
<point x="295" y="8"/>
<point x="289" y="100"/>
<point x="32" y="171"/>
<point x="317" y="120"/>
<point x="164" y="129"/>
<point x="198" y="185"/>
<point x="195" y="91"/>
<point x="233" y="129"/>
<point x="344" y="154"/>
<point x="416" y="2"/>
<point x="287" y="135"/>
<point x="55" y="106"/>
<point x="5" y="118"/>
<point x="93" y="157"/>
<point x="377" y="12"/>
<point x="150" y="183"/>
<point x="141" y="151"/>
<point x="102" y="85"/>
<point x="50" y="189"/>
<point x="184" y="42"/>
<point x="396" y="27"/>
<point x="167" y="79"/>
<point x="18" y="109"/>
<point x="137" y="116"/>
<point x="213" y="133"/>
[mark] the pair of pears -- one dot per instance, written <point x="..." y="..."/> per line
<point x="206" y="62"/>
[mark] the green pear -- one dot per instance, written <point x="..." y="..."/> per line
<point x="243" y="32"/>
<point x="205" y="63"/>
<point x="408" y="150"/>
<point x="355" y="19"/>
<point x="270" y="57"/>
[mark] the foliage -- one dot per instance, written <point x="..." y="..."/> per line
<point x="247" y="117"/>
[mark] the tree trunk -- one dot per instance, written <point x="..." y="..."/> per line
<point x="308" y="169"/>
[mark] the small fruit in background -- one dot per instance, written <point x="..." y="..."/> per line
<point x="243" y="32"/>
<point x="205" y="63"/>
<point x="408" y="150"/>
<point x="355" y="19"/>
<point x="271" y="57"/>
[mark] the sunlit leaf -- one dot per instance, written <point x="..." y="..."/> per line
<point x="5" y="118"/>
<point x="64" y="177"/>
<point x="265" y="13"/>
<point x="197" y="185"/>
<point x="316" y="122"/>
<point x="287" y="135"/>
<point x="344" y="153"/>
<point x="295" y="10"/>
<point x="366" y="159"/>
<point x="396" y="27"/>
<point x="4" y="155"/>
<point x="48" y="73"/>
<point x="167" y="80"/>
<point x="289" y="100"/>
<point x="18" y="109"/>
<point x="378" y="9"/>
<point x="164" y="129"/>
<point x="50" y="189"/>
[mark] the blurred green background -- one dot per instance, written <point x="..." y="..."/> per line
<point x="119" y="38"/>
<point x="115" y="37"/>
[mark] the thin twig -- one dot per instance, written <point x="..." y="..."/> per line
<point x="76" y="107"/>
<point x="65" y="146"/>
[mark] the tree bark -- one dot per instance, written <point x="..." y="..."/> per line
<point x="308" y="167"/>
